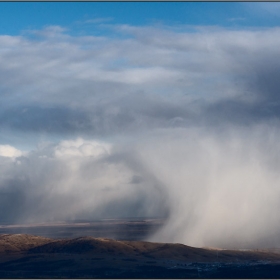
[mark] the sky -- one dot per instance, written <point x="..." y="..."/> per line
<point x="143" y="109"/>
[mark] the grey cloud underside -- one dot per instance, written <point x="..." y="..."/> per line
<point x="104" y="121"/>
<point x="42" y="119"/>
<point x="99" y="120"/>
<point x="241" y="113"/>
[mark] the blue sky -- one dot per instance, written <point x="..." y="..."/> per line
<point x="143" y="109"/>
<point x="19" y="16"/>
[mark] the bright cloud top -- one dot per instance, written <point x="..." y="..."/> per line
<point x="9" y="151"/>
<point x="81" y="148"/>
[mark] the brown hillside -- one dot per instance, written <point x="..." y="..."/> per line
<point x="84" y="245"/>
<point x="103" y="246"/>
<point x="20" y="242"/>
<point x="29" y="256"/>
<point x="11" y="243"/>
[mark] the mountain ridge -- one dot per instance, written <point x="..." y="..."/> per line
<point x="30" y="256"/>
<point x="26" y="243"/>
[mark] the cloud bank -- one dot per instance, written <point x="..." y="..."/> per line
<point x="154" y="77"/>
<point x="180" y="123"/>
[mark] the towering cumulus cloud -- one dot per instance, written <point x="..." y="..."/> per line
<point x="151" y="122"/>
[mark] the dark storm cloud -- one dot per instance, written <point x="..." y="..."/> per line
<point x="256" y="72"/>
<point x="265" y="81"/>
<point x="241" y="112"/>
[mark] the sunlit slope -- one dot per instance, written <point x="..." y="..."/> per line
<point x="20" y="242"/>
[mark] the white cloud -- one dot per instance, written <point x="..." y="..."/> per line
<point x="78" y="71"/>
<point x="82" y="148"/>
<point x="10" y="151"/>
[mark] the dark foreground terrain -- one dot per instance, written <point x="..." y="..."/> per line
<point x="29" y="256"/>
